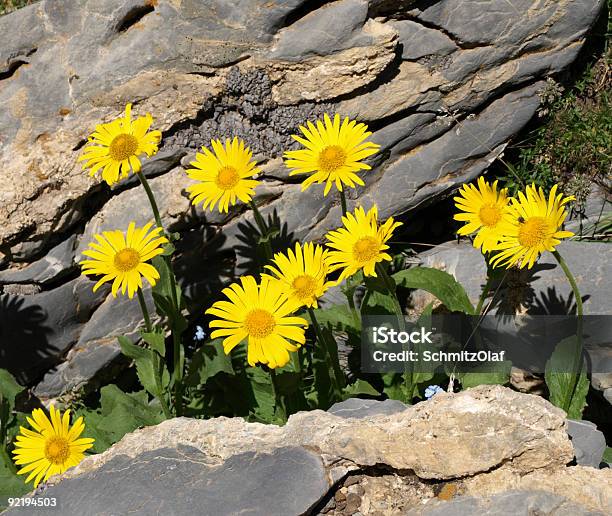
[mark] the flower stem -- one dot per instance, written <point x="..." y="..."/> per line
<point x="145" y="311"/>
<point x="323" y="341"/>
<point x="579" y="310"/>
<point x="263" y="229"/>
<point x="343" y="202"/>
<point x="483" y="295"/>
<point x="157" y="364"/>
<point x="177" y="372"/>
<point x="152" y="202"/>
<point x="391" y="288"/>
<point x="279" y="409"/>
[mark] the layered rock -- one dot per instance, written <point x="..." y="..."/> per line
<point x="481" y="442"/>
<point x="444" y="85"/>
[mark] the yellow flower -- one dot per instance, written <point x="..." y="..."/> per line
<point x="116" y="147"/>
<point x="531" y="226"/>
<point x="261" y="314"/>
<point x="483" y="209"/>
<point x="360" y="244"/>
<point x="332" y="153"/>
<point x="303" y="273"/>
<point x="121" y="257"/>
<point x="52" y="447"/>
<point x="224" y="176"/>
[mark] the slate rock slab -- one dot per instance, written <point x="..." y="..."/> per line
<point x="358" y="408"/>
<point x="589" y="443"/>
<point x="182" y="482"/>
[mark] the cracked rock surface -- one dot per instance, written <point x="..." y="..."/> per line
<point x="454" y="449"/>
<point x="443" y="85"/>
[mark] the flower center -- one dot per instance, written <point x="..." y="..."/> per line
<point x="57" y="450"/>
<point x="490" y="215"/>
<point x="123" y="146"/>
<point x="332" y="158"/>
<point x="304" y="286"/>
<point x="227" y="178"/>
<point x="259" y="323"/>
<point x="127" y="259"/>
<point x="533" y="232"/>
<point x="365" y="249"/>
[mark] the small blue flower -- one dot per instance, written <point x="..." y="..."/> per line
<point x="432" y="390"/>
<point x="199" y="334"/>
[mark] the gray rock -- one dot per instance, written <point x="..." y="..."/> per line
<point x="419" y="41"/>
<point x="287" y="481"/>
<point x="38" y="329"/>
<point x="589" y="443"/>
<point x="57" y="261"/>
<point x="543" y="289"/>
<point x="358" y="408"/>
<point x="96" y="354"/>
<point x="517" y="503"/>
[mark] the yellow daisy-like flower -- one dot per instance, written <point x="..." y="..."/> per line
<point x="116" y="147"/>
<point x="333" y="153"/>
<point x="120" y="257"/>
<point x="52" y="447"/>
<point x="531" y="226"/>
<point x="361" y="243"/>
<point x="303" y="273"/>
<point x="224" y="176"/>
<point x="483" y="209"/>
<point x="262" y="314"/>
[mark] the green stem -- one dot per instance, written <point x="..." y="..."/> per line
<point x="177" y="373"/>
<point x="145" y="184"/>
<point x="391" y="288"/>
<point x="580" y="313"/>
<point x="483" y="295"/>
<point x="279" y="409"/>
<point x="343" y="203"/>
<point x="263" y="229"/>
<point x="322" y="340"/>
<point x="145" y="310"/>
<point x="157" y="359"/>
<point x="408" y="366"/>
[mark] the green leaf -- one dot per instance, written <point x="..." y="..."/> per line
<point x="163" y="297"/>
<point x="360" y="388"/>
<point x="377" y="303"/>
<point x="436" y="282"/>
<point x="607" y="456"/>
<point x="338" y="317"/>
<point x="9" y="388"/>
<point x="147" y="364"/>
<point x="11" y="485"/>
<point x="119" y="414"/>
<point x="560" y="382"/>
<point x="500" y="376"/>
<point x="261" y="384"/>
<point x="157" y="341"/>
<point x="208" y="361"/>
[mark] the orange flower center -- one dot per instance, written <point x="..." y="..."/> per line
<point x="304" y="286"/>
<point x="123" y="146"/>
<point x="490" y="215"/>
<point x="533" y="232"/>
<point x="332" y="158"/>
<point x="365" y="249"/>
<point x="227" y="178"/>
<point x="57" y="450"/>
<point x="127" y="259"/>
<point x="259" y="323"/>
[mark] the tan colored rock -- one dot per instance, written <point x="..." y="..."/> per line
<point x="586" y="486"/>
<point x="453" y="435"/>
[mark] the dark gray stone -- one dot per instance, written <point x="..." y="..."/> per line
<point x="589" y="443"/>
<point x="358" y="408"/>
<point x="419" y="41"/>
<point x="96" y="354"/>
<point x="57" y="262"/>
<point x="38" y="329"/>
<point x="515" y="503"/>
<point x="183" y="482"/>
